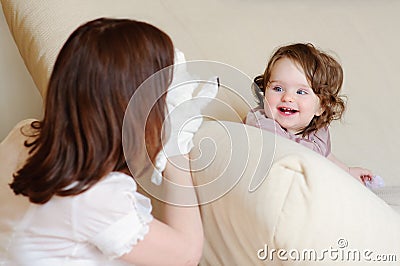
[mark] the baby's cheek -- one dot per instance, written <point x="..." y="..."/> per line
<point x="267" y="108"/>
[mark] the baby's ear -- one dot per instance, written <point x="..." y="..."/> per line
<point x="320" y="111"/>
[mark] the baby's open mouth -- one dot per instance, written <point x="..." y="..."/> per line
<point x="287" y="111"/>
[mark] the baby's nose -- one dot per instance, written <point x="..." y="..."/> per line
<point x="288" y="97"/>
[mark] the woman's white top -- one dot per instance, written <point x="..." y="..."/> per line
<point x="92" y="228"/>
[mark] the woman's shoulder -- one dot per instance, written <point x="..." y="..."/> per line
<point x="118" y="178"/>
<point x="113" y="182"/>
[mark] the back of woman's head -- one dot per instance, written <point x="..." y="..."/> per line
<point x="324" y="74"/>
<point x="96" y="73"/>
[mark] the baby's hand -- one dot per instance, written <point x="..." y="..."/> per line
<point x="375" y="183"/>
<point x="361" y="174"/>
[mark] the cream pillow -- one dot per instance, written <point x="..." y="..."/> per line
<point x="305" y="202"/>
<point x="40" y="28"/>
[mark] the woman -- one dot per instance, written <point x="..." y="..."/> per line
<point x="76" y="200"/>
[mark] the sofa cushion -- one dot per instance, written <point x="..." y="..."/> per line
<point x="40" y="28"/>
<point x="39" y="32"/>
<point x="304" y="201"/>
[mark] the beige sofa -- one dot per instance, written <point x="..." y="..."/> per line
<point x="266" y="200"/>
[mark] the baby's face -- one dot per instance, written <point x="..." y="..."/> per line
<point x="289" y="99"/>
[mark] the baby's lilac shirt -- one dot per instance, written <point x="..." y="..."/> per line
<point x="319" y="141"/>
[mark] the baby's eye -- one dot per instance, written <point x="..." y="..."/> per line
<point x="277" y="88"/>
<point x="302" y="92"/>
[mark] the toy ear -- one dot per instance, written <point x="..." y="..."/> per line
<point x="258" y="90"/>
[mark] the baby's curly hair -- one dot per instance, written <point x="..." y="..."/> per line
<point x="324" y="74"/>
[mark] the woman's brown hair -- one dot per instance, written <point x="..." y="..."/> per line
<point x="324" y="74"/>
<point x="96" y="73"/>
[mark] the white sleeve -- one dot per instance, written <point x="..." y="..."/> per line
<point x="114" y="215"/>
